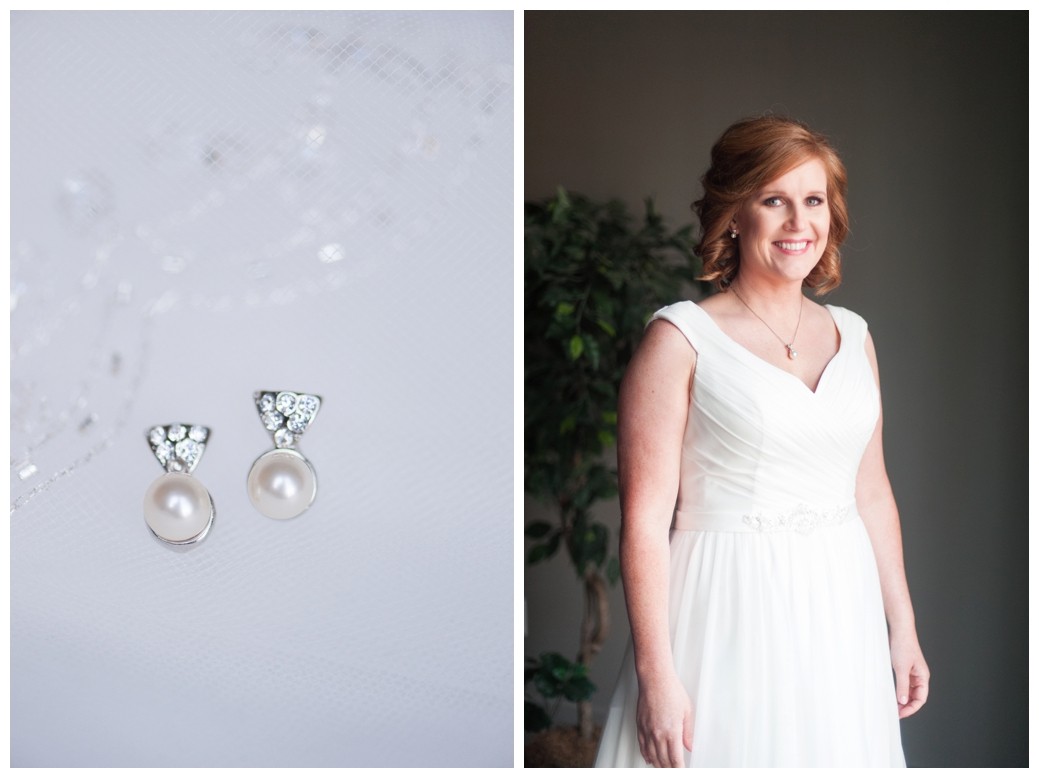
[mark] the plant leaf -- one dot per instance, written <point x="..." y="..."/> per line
<point x="535" y="718"/>
<point x="576" y="347"/>
<point x="537" y="554"/>
<point x="538" y="529"/>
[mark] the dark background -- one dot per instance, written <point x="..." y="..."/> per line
<point x="929" y="112"/>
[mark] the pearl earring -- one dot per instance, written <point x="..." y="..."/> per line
<point x="282" y="483"/>
<point x="732" y="234"/>
<point x="177" y="508"/>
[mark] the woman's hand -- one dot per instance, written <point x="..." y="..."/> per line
<point x="911" y="674"/>
<point x="665" y="723"/>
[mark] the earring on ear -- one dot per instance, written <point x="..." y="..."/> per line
<point x="732" y="234"/>
<point x="178" y="509"/>
<point x="282" y="483"/>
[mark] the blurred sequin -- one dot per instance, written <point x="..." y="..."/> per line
<point x="333" y="252"/>
<point x="86" y="198"/>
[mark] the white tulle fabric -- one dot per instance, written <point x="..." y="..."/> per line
<point x="777" y="623"/>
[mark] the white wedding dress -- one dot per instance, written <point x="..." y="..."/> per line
<point x="777" y="624"/>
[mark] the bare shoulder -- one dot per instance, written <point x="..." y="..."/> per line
<point x="664" y="357"/>
<point x="654" y="394"/>
<point x="870" y="348"/>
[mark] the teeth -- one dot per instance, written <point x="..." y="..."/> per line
<point x="801" y="244"/>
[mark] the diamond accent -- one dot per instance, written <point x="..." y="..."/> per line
<point x="164" y="451"/>
<point x="307" y="404"/>
<point x="287" y="415"/>
<point x="188" y="452"/>
<point x="272" y="420"/>
<point x="178" y="447"/>
<point x="286" y="403"/>
<point x="803" y="519"/>
<point x="297" y="423"/>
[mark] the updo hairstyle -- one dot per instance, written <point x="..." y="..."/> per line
<point x="749" y="155"/>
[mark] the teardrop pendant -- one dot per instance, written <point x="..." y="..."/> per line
<point x="790" y="351"/>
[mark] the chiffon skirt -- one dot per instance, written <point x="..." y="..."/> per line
<point x="781" y="641"/>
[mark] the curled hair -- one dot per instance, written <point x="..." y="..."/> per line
<point x="747" y="156"/>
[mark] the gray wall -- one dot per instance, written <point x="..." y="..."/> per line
<point x="929" y="111"/>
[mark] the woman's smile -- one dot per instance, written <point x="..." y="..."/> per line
<point x="792" y="247"/>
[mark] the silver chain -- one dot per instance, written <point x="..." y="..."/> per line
<point x="790" y="352"/>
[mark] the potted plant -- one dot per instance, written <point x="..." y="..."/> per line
<point x="592" y="279"/>
<point x="555" y="678"/>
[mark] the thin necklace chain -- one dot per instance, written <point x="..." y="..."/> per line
<point x="790" y="352"/>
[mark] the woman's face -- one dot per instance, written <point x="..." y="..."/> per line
<point x="784" y="226"/>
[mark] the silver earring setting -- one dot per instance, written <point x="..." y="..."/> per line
<point x="178" y="509"/>
<point x="282" y="483"/>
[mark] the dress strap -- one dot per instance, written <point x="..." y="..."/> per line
<point x="852" y="326"/>
<point x="693" y="322"/>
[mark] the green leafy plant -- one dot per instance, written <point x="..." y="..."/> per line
<point x="555" y="678"/>
<point x="592" y="279"/>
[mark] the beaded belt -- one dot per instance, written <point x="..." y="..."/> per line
<point x="802" y="518"/>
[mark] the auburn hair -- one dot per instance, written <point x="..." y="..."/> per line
<point x="749" y="155"/>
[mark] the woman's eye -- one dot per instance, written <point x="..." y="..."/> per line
<point x="772" y="202"/>
<point x="815" y="200"/>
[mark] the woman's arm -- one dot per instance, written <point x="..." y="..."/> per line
<point x="652" y="412"/>
<point x="876" y="505"/>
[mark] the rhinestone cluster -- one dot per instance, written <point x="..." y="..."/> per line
<point x="178" y="447"/>
<point x="287" y="415"/>
<point x="803" y="519"/>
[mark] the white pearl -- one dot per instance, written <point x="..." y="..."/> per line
<point x="177" y="507"/>
<point x="282" y="484"/>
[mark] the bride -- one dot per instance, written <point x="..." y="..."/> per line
<point x="760" y="543"/>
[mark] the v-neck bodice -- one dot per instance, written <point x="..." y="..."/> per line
<point x="758" y="439"/>
<point x="739" y="347"/>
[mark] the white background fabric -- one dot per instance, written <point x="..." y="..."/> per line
<point x="207" y="204"/>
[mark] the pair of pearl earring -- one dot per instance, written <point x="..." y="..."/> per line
<point x="281" y="484"/>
